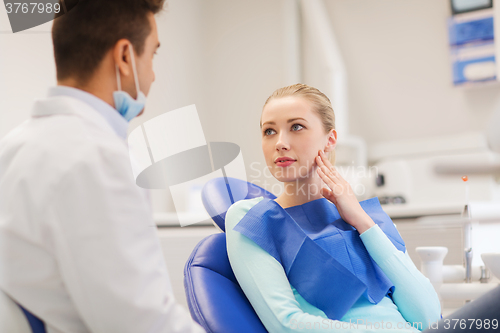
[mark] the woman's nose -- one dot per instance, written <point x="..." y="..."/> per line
<point x="282" y="143"/>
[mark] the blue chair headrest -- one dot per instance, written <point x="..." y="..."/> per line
<point x="220" y="193"/>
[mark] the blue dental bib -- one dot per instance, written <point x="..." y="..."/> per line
<point x="322" y="255"/>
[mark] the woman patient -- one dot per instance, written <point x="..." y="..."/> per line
<point x="315" y="259"/>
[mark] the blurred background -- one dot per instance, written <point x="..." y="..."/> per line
<point x="387" y="66"/>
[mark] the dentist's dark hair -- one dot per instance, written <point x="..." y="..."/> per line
<point x="84" y="30"/>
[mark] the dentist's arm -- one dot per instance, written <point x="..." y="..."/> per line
<point x="108" y="251"/>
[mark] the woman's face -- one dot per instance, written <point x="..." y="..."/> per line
<point x="292" y="135"/>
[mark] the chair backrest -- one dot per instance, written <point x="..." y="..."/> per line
<point x="16" y="319"/>
<point x="220" y="193"/>
<point x="214" y="297"/>
<point x="37" y="325"/>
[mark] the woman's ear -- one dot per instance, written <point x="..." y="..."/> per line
<point x="332" y="141"/>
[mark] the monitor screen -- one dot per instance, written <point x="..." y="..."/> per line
<point x="462" y="6"/>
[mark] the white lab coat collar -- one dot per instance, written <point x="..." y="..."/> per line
<point x="112" y="117"/>
<point x="59" y="105"/>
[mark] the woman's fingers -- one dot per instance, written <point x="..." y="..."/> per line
<point x="331" y="177"/>
<point x="328" y="168"/>
<point x="327" y="193"/>
<point x="329" y="171"/>
<point x="339" y="192"/>
<point x="323" y="161"/>
<point x="323" y="176"/>
<point x="334" y="186"/>
<point x="326" y="176"/>
<point x="326" y="160"/>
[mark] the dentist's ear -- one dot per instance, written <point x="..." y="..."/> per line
<point x="121" y="57"/>
<point x="332" y="141"/>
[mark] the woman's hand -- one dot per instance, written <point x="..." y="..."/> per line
<point x="340" y="193"/>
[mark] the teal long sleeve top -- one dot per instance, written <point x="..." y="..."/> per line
<point x="413" y="307"/>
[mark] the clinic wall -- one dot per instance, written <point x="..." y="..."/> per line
<point x="224" y="56"/>
<point x="27" y="69"/>
<point x="400" y="81"/>
<point x="228" y="56"/>
<point x="245" y="50"/>
<point x="179" y="67"/>
<point x="397" y="60"/>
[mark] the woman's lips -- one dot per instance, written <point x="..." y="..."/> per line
<point x="285" y="164"/>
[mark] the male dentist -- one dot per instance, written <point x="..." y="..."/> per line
<point x="78" y="245"/>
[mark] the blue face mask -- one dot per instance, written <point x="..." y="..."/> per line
<point x="128" y="107"/>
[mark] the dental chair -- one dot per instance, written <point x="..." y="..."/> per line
<point x="214" y="297"/>
<point x="16" y="319"/>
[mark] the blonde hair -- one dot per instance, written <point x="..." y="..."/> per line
<point x="321" y="104"/>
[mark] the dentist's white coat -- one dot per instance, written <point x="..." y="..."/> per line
<point x="78" y="246"/>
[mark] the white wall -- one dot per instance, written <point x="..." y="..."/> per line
<point x="224" y="56"/>
<point x="400" y="80"/>
<point x="227" y="56"/>
<point x="245" y="53"/>
<point x="27" y="69"/>
<point x="179" y="70"/>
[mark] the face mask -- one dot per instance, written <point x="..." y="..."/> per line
<point x="128" y="107"/>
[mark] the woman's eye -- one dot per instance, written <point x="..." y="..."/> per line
<point x="268" y="131"/>
<point x="296" y="127"/>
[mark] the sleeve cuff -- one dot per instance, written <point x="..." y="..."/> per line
<point x="377" y="243"/>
